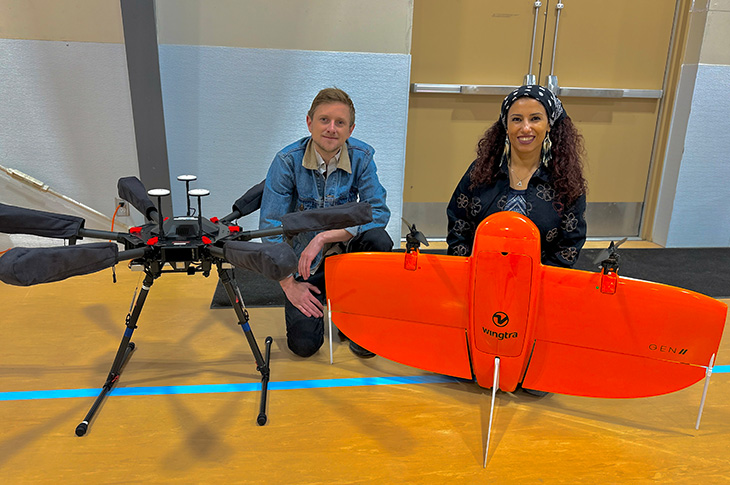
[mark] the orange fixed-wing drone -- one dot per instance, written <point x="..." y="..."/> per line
<point x="505" y="319"/>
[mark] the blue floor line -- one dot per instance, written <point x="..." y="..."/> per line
<point x="246" y="387"/>
<point x="219" y="388"/>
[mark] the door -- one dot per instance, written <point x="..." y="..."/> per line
<point x="607" y="60"/>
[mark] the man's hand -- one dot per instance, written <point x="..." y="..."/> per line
<point x="315" y="247"/>
<point x="301" y="296"/>
<point x="310" y="252"/>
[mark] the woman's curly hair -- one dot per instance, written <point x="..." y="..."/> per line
<point x="565" y="169"/>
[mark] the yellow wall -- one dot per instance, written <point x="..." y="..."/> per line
<point x="344" y="25"/>
<point x="62" y="20"/>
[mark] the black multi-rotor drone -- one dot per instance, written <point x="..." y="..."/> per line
<point x="188" y="244"/>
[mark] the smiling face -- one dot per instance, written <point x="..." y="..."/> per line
<point x="527" y="125"/>
<point x="330" y="128"/>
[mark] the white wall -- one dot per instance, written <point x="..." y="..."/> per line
<point x="238" y="78"/>
<point x="692" y="209"/>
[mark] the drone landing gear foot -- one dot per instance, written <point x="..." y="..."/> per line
<point x="262" y="364"/>
<point x="110" y="381"/>
<point x="261" y="419"/>
<point x="126" y="347"/>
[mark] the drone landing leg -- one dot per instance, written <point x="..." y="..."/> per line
<point x="708" y="373"/>
<point x="495" y="386"/>
<point x="262" y="364"/>
<point x="125" y="350"/>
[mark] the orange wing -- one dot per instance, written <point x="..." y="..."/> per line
<point x="417" y="318"/>
<point x="554" y="329"/>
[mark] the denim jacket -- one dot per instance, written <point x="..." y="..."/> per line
<point x="291" y="187"/>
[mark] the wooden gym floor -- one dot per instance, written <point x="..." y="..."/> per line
<point x="327" y="423"/>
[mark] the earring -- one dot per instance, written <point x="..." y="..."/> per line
<point x="547" y="153"/>
<point x="505" y="153"/>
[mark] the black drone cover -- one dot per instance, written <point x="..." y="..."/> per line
<point x="132" y="190"/>
<point x="275" y="261"/>
<point x="17" y="220"/>
<point x="31" y="266"/>
<point x="250" y="201"/>
<point x="337" y="217"/>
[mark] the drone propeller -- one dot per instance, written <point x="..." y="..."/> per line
<point x="133" y="191"/>
<point x="609" y="251"/>
<point x="248" y="203"/>
<point x="337" y="217"/>
<point x="18" y="220"/>
<point x="275" y="261"/>
<point x="32" y="266"/>
<point x="415" y="237"/>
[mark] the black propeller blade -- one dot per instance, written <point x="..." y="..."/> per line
<point x="247" y="203"/>
<point x="414" y="236"/>
<point x="609" y="251"/>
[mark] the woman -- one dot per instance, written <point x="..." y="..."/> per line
<point x="529" y="161"/>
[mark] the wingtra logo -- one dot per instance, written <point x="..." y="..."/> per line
<point x="500" y="319"/>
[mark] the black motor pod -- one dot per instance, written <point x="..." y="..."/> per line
<point x="133" y="191"/>
<point x="32" y="266"/>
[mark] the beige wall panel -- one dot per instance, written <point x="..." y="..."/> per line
<point x="471" y="41"/>
<point x="720" y="5"/>
<point x="618" y="138"/>
<point x="716" y="45"/>
<point x="443" y="131"/>
<point x="382" y="26"/>
<point x="62" y="20"/>
<point x="618" y="44"/>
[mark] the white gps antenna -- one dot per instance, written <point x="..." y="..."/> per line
<point x="187" y="179"/>
<point x="199" y="193"/>
<point x="159" y="193"/>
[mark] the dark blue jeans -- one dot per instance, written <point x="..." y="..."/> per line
<point x="305" y="335"/>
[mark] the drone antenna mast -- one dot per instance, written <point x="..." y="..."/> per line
<point x="199" y="193"/>
<point x="159" y="193"/>
<point x="187" y="179"/>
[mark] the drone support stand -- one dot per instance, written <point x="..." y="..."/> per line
<point x="495" y="386"/>
<point x="126" y="347"/>
<point x="708" y="374"/>
<point x="262" y="364"/>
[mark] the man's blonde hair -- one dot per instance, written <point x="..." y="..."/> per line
<point x="332" y="95"/>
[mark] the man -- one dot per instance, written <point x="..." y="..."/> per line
<point x="325" y="169"/>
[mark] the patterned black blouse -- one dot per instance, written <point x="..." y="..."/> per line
<point x="562" y="234"/>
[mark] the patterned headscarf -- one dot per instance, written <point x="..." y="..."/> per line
<point x="553" y="106"/>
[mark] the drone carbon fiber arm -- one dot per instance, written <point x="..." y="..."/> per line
<point x="276" y="261"/>
<point x="176" y="243"/>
